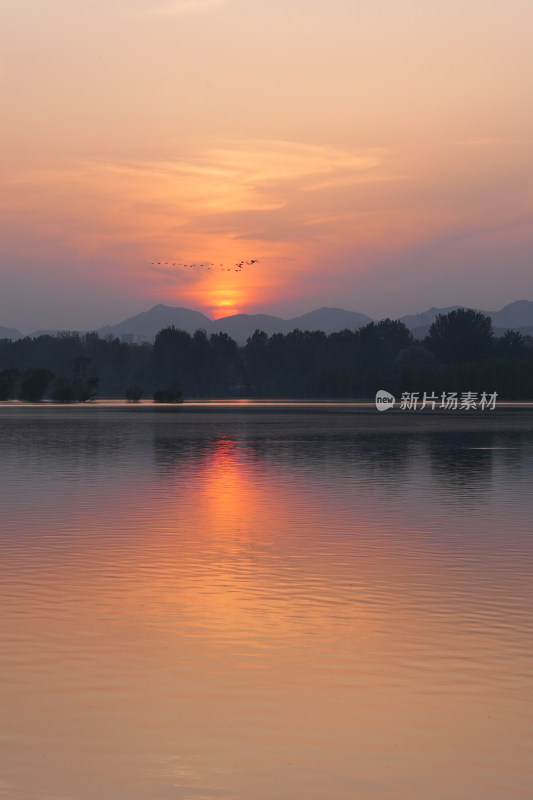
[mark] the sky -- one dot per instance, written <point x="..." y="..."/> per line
<point x="373" y="156"/>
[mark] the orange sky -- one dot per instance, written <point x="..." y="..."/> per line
<point x="375" y="157"/>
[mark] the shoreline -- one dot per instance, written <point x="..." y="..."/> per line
<point x="360" y="416"/>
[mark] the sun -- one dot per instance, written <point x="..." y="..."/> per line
<point x="224" y="302"/>
<point x="216" y="302"/>
<point x="224" y="308"/>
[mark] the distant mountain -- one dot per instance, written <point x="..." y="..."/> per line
<point x="329" y="320"/>
<point x="144" y="326"/>
<point x="525" y="330"/>
<point x="10" y="333"/>
<point x="516" y="316"/>
<point x="47" y="332"/>
<point x="423" y="330"/>
<point x="422" y="321"/>
<point x="241" y="326"/>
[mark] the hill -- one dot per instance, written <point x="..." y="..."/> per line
<point x="10" y="333"/>
<point x="144" y="326"/>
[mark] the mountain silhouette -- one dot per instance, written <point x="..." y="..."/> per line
<point x="515" y="315"/>
<point x="10" y="333"/>
<point x="143" y="327"/>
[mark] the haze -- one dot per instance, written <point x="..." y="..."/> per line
<point x="374" y="156"/>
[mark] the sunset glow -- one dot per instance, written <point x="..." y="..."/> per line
<point x="381" y="162"/>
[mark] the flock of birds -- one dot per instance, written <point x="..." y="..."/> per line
<point x="207" y="265"/>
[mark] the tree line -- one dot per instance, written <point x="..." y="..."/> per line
<point x="460" y="353"/>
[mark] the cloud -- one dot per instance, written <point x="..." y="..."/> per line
<point x="219" y="201"/>
<point x="181" y="7"/>
<point x="491" y="141"/>
<point x="253" y="175"/>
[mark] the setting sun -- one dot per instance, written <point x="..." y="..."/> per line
<point x="224" y="309"/>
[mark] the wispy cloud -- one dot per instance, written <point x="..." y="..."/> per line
<point x="228" y="200"/>
<point x="178" y="7"/>
<point x="491" y="141"/>
<point x="254" y="175"/>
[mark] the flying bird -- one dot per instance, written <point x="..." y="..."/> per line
<point x="209" y="265"/>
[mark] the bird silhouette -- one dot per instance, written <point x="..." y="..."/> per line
<point x="208" y="265"/>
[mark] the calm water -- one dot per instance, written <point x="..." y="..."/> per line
<point x="264" y="605"/>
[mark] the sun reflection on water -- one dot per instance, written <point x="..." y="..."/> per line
<point x="219" y="605"/>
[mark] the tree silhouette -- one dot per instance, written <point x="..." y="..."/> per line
<point x="511" y="345"/>
<point x="80" y="388"/>
<point x="63" y="390"/>
<point x="461" y="335"/>
<point x="172" y="394"/>
<point x="34" y="384"/>
<point x="173" y="357"/>
<point x="133" y="393"/>
<point x="382" y="341"/>
<point x="8" y="378"/>
<point x="459" y="352"/>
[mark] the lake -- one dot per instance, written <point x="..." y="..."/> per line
<point x="265" y="602"/>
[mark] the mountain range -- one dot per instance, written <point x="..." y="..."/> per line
<point x="144" y="326"/>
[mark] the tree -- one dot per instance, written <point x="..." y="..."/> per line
<point x="173" y="357"/>
<point x="227" y="372"/>
<point x="80" y="388"/>
<point x="511" y="344"/>
<point x="84" y="387"/>
<point x="8" y="378"/>
<point x="202" y="363"/>
<point x="382" y="341"/>
<point x="172" y="394"/>
<point x="63" y="390"/>
<point x="133" y="393"/>
<point x="258" y="364"/>
<point x="461" y="335"/>
<point x="34" y="384"/>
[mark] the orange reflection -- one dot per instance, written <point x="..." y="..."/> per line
<point x="228" y="494"/>
<point x="237" y="544"/>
